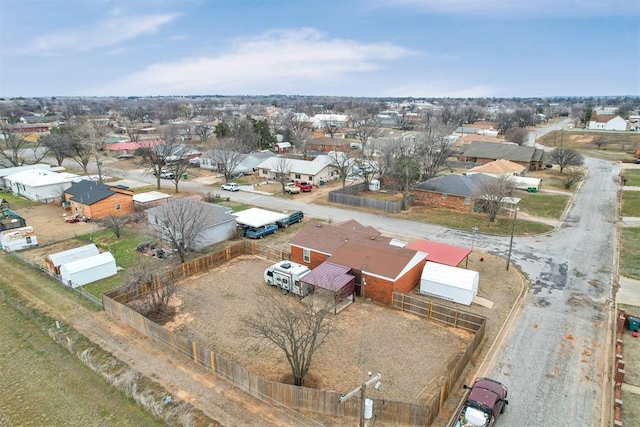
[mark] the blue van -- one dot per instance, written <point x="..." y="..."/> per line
<point x="292" y="218"/>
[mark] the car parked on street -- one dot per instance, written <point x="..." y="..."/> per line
<point x="304" y="185"/>
<point x="291" y="188"/>
<point x="230" y="186"/>
<point x="167" y="175"/>
<point x="483" y="404"/>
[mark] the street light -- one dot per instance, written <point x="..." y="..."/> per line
<point x="513" y="227"/>
<point x="473" y="239"/>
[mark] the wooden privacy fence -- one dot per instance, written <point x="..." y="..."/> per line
<point x="450" y="317"/>
<point x="324" y="402"/>
<point x="346" y="196"/>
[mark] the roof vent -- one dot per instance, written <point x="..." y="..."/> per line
<point x="285" y="265"/>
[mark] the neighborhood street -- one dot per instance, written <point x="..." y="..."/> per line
<point x="554" y="359"/>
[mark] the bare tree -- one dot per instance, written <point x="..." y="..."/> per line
<point x="146" y="278"/>
<point x="87" y="145"/>
<point x="600" y="141"/>
<point x="491" y="192"/>
<point x="572" y="176"/>
<point x="399" y="163"/>
<point x="301" y="133"/>
<point x="519" y="136"/>
<point x="13" y="143"/>
<point x="204" y="132"/>
<point x="282" y="171"/>
<point x="365" y="124"/>
<point x="155" y="157"/>
<point x="227" y="154"/>
<point x="115" y="223"/>
<point x="342" y="164"/>
<point x="58" y="143"/>
<point x="182" y="222"/>
<point x="564" y="157"/>
<point x="298" y="329"/>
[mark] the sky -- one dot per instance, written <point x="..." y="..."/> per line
<point x="362" y="48"/>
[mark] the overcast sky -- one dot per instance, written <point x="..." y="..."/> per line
<point x="399" y="48"/>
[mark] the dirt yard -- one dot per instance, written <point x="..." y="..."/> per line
<point x="48" y="221"/>
<point x="409" y="351"/>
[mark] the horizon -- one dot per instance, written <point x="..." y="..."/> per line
<point x="419" y="49"/>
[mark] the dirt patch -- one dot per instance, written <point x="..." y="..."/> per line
<point x="370" y="337"/>
<point x="48" y="221"/>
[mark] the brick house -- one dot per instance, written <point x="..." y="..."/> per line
<point x="484" y="152"/>
<point x="327" y="145"/>
<point x="95" y="200"/>
<point x="386" y="268"/>
<point x="457" y="192"/>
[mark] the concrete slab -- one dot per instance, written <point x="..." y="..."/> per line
<point x="630" y="221"/>
<point x="630" y="388"/>
<point x="482" y="301"/>
<point x="629" y="292"/>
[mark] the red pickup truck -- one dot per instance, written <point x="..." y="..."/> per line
<point x="304" y="185"/>
<point x="484" y="402"/>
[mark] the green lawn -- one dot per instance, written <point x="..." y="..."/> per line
<point x="544" y="205"/>
<point x="630" y="252"/>
<point x="633" y="177"/>
<point x="17" y="202"/>
<point x="630" y="203"/>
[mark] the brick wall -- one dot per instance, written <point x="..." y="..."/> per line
<point x="428" y="198"/>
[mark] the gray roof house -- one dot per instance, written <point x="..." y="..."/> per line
<point x="313" y="171"/>
<point x="222" y="224"/>
<point x="451" y="191"/>
<point x="485" y="152"/>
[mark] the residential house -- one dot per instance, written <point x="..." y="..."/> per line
<point x="327" y="145"/>
<point x="40" y="185"/>
<point x="4" y="172"/>
<point x="505" y="167"/>
<point x="313" y="171"/>
<point x="465" y="139"/>
<point x="607" y="122"/>
<point x="149" y="199"/>
<point x="94" y="200"/>
<point x="316" y="242"/>
<point x="457" y="192"/>
<point x="381" y="270"/>
<point x="485" y="152"/>
<point x="282" y="147"/>
<point x="440" y="253"/>
<point x="380" y="267"/>
<point x="248" y="163"/>
<point x="222" y="225"/>
<point x="324" y="120"/>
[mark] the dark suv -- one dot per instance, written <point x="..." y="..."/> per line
<point x="483" y="404"/>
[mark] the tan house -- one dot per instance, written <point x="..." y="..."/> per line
<point x="459" y="192"/>
<point x="500" y="167"/>
<point x="95" y="200"/>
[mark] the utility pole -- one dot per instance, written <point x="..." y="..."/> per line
<point x="363" y="394"/>
<point x="513" y="227"/>
<point x="473" y="239"/>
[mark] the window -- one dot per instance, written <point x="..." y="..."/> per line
<point x="467" y="200"/>
<point x="118" y="207"/>
<point x="298" y="176"/>
<point x="444" y="196"/>
<point x="29" y="240"/>
<point x="306" y="255"/>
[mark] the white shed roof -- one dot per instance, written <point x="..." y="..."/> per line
<point x="10" y="171"/>
<point x="38" y="177"/>
<point x="150" y="196"/>
<point x="451" y="276"/>
<point x="89" y="263"/>
<point x="256" y="217"/>
<point x="73" y="254"/>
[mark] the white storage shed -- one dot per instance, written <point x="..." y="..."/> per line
<point x="54" y="261"/>
<point x="88" y="270"/>
<point x="17" y="239"/>
<point x="449" y="283"/>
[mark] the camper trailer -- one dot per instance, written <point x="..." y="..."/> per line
<point x="16" y="239"/>
<point x="287" y="276"/>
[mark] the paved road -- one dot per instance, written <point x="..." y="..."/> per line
<point x="554" y="359"/>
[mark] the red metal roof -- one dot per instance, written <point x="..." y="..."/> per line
<point x="126" y="145"/>
<point x="329" y="276"/>
<point x="440" y="253"/>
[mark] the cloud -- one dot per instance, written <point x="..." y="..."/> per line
<point x="279" y="60"/>
<point x="114" y="30"/>
<point x="521" y="9"/>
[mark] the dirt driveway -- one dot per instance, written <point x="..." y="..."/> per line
<point x="48" y="221"/>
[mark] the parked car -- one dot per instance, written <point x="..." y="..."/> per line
<point x="260" y="232"/>
<point x="304" y="185"/>
<point x="167" y="175"/>
<point x="230" y="186"/>
<point x="292" y="218"/>
<point x="483" y="404"/>
<point x="291" y="188"/>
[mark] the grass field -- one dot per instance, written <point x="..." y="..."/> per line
<point x="617" y="146"/>
<point x="630" y="253"/>
<point x="633" y="177"/>
<point x="43" y="384"/>
<point x="630" y="203"/>
<point x="544" y="205"/>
